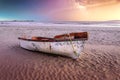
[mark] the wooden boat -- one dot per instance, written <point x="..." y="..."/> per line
<point x="70" y="45"/>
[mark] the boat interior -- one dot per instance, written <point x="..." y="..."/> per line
<point x="62" y="37"/>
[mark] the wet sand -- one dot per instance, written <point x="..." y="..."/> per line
<point x="99" y="61"/>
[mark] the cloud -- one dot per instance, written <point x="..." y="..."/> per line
<point x="90" y="2"/>
<point x="97" y="11"/>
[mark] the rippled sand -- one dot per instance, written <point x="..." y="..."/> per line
<point x="99" y="61"/>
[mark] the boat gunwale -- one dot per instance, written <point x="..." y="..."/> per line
<point x="52" y="40"/>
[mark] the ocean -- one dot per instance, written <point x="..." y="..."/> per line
<point x="112" y="23"/>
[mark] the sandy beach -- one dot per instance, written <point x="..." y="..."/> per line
<point x="100" y="59"/>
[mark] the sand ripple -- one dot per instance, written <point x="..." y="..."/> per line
<point x="98" y="62"/>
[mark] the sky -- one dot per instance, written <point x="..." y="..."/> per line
<point x="60" y="10"/>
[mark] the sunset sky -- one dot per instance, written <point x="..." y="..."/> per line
<point x="60" y="10"/>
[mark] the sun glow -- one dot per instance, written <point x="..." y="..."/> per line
<point x="105" y="12"/>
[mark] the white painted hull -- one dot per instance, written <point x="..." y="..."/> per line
<point x="67" y="48"/>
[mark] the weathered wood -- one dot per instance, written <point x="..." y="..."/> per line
<point x="67" y="47"/>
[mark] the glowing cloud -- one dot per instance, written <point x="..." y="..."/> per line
<point x="108" y="10"/>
